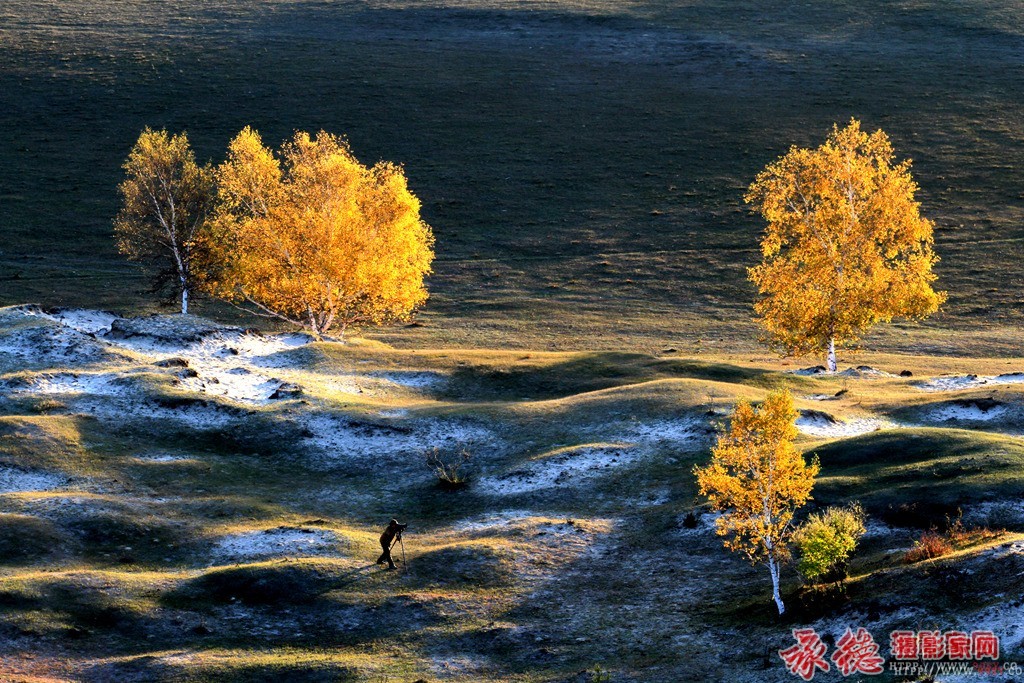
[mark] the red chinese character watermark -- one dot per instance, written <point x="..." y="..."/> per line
<point x="807" y="656"/>
<point x="904" y="645"/>
<point x="985" y="645"/>
<point x="958" y="646"/>
<point x="857" y="653"/>
<point x="932" y="645"/>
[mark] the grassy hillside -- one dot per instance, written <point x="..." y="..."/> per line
<point x="582" y="162"/>
<point x="183" y="501"/>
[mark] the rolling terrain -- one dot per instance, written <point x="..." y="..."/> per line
<point x="192" y="499"/>
<point x="182" y="500"/>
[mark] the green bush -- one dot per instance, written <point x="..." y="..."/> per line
<point x="826" y="541"/>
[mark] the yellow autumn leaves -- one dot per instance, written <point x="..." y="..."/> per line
<point x="845" y="246"/>
<point x="759" y="478"/>
<point x="306" y="234"/>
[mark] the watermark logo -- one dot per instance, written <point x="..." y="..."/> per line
<point x="912" y="653"/>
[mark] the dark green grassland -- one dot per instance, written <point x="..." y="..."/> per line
<point x="582" y="163"/>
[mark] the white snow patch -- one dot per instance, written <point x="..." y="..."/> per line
<point x="18" y="481"/>
<point x="494" y="520"/>
<point x="707" y="523"/>
<point x="567" y="468"/>
<point x="811" y="372"/>
<point x="51" y="343"/>
<point x="970" y="412"/>
<point x="117" y="408"/>
<point x="1005" y="620"/>
<point x="61" y="383"/>
<point x="413" y="380"/>
<point x="995" y="514"/>
<point x="227" y="363"/>
<point x="958" y="382"/>
<point x="349" y="437"/>
<point x="822" y="426"/>
<point x="283" y="541"/>
<point x="874" y="529"/>
<point x="861" y="371"/>
<point x="237" y="383"/>
<point x="660" y="431"/>
<point x="83" y="320"/>
<point x="161" y="457"/>
<point x="820" y="397"/>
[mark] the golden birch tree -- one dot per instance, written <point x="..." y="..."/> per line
<point x="312" y="236"/>
<point x="758" y="478"/>
<point x="845" y="246"/>
<point x="166" y="202"/>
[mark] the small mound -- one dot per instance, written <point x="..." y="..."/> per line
<point x="262" y="584"/>
<point x="563" y="469"/>
<point x="24" y="538"/>
<point x="284" y="541"/>
<point x="108" y="532"/>
<point x="960" y="382"/>
<point x="46" y="343"/>
<point x="860" y="372"/>
<point x="865" y="371"/>
<point x="83" y="319"/>
<point x="968" y="410"/>
<point x="821" y="424"/>
<point x="168" y="329"/>
<point x="474" y="564"/>
<point x="74" y="383"/>
<point x="819" y="416"/>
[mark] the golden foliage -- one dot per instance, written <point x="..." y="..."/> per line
<point x="312" y="236"/>
<point x="166" y="201"/>
<point x="759" y="478"/>
<point x="845" y="246"/>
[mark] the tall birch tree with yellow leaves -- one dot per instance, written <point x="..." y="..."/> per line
<point x="845" y="246"/>
<point x="758" y="478"/>
<point x="167" y="200"/>
<point x="312" y="236"/>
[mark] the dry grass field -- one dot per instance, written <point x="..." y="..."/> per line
<point x="582" y="163"/>
<point x="185" y="500"/>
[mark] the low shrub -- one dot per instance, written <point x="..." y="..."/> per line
<point x="449" y="467"/>
<point x="827" y="540"/>
<point x="931" y="544"/>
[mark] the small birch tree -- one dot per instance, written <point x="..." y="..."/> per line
<point x="758" y="478"/>
<point x="313" y="237"/>
<point x="845" y="247"/>
<point x="166" y="202"/>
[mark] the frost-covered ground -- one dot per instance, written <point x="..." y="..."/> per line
<point x="204" y="468"/>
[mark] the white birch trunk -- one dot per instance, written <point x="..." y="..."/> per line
<point x="832" y="355"/>
<point x="184" y="299"/>
<point x="773" y="569"/>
